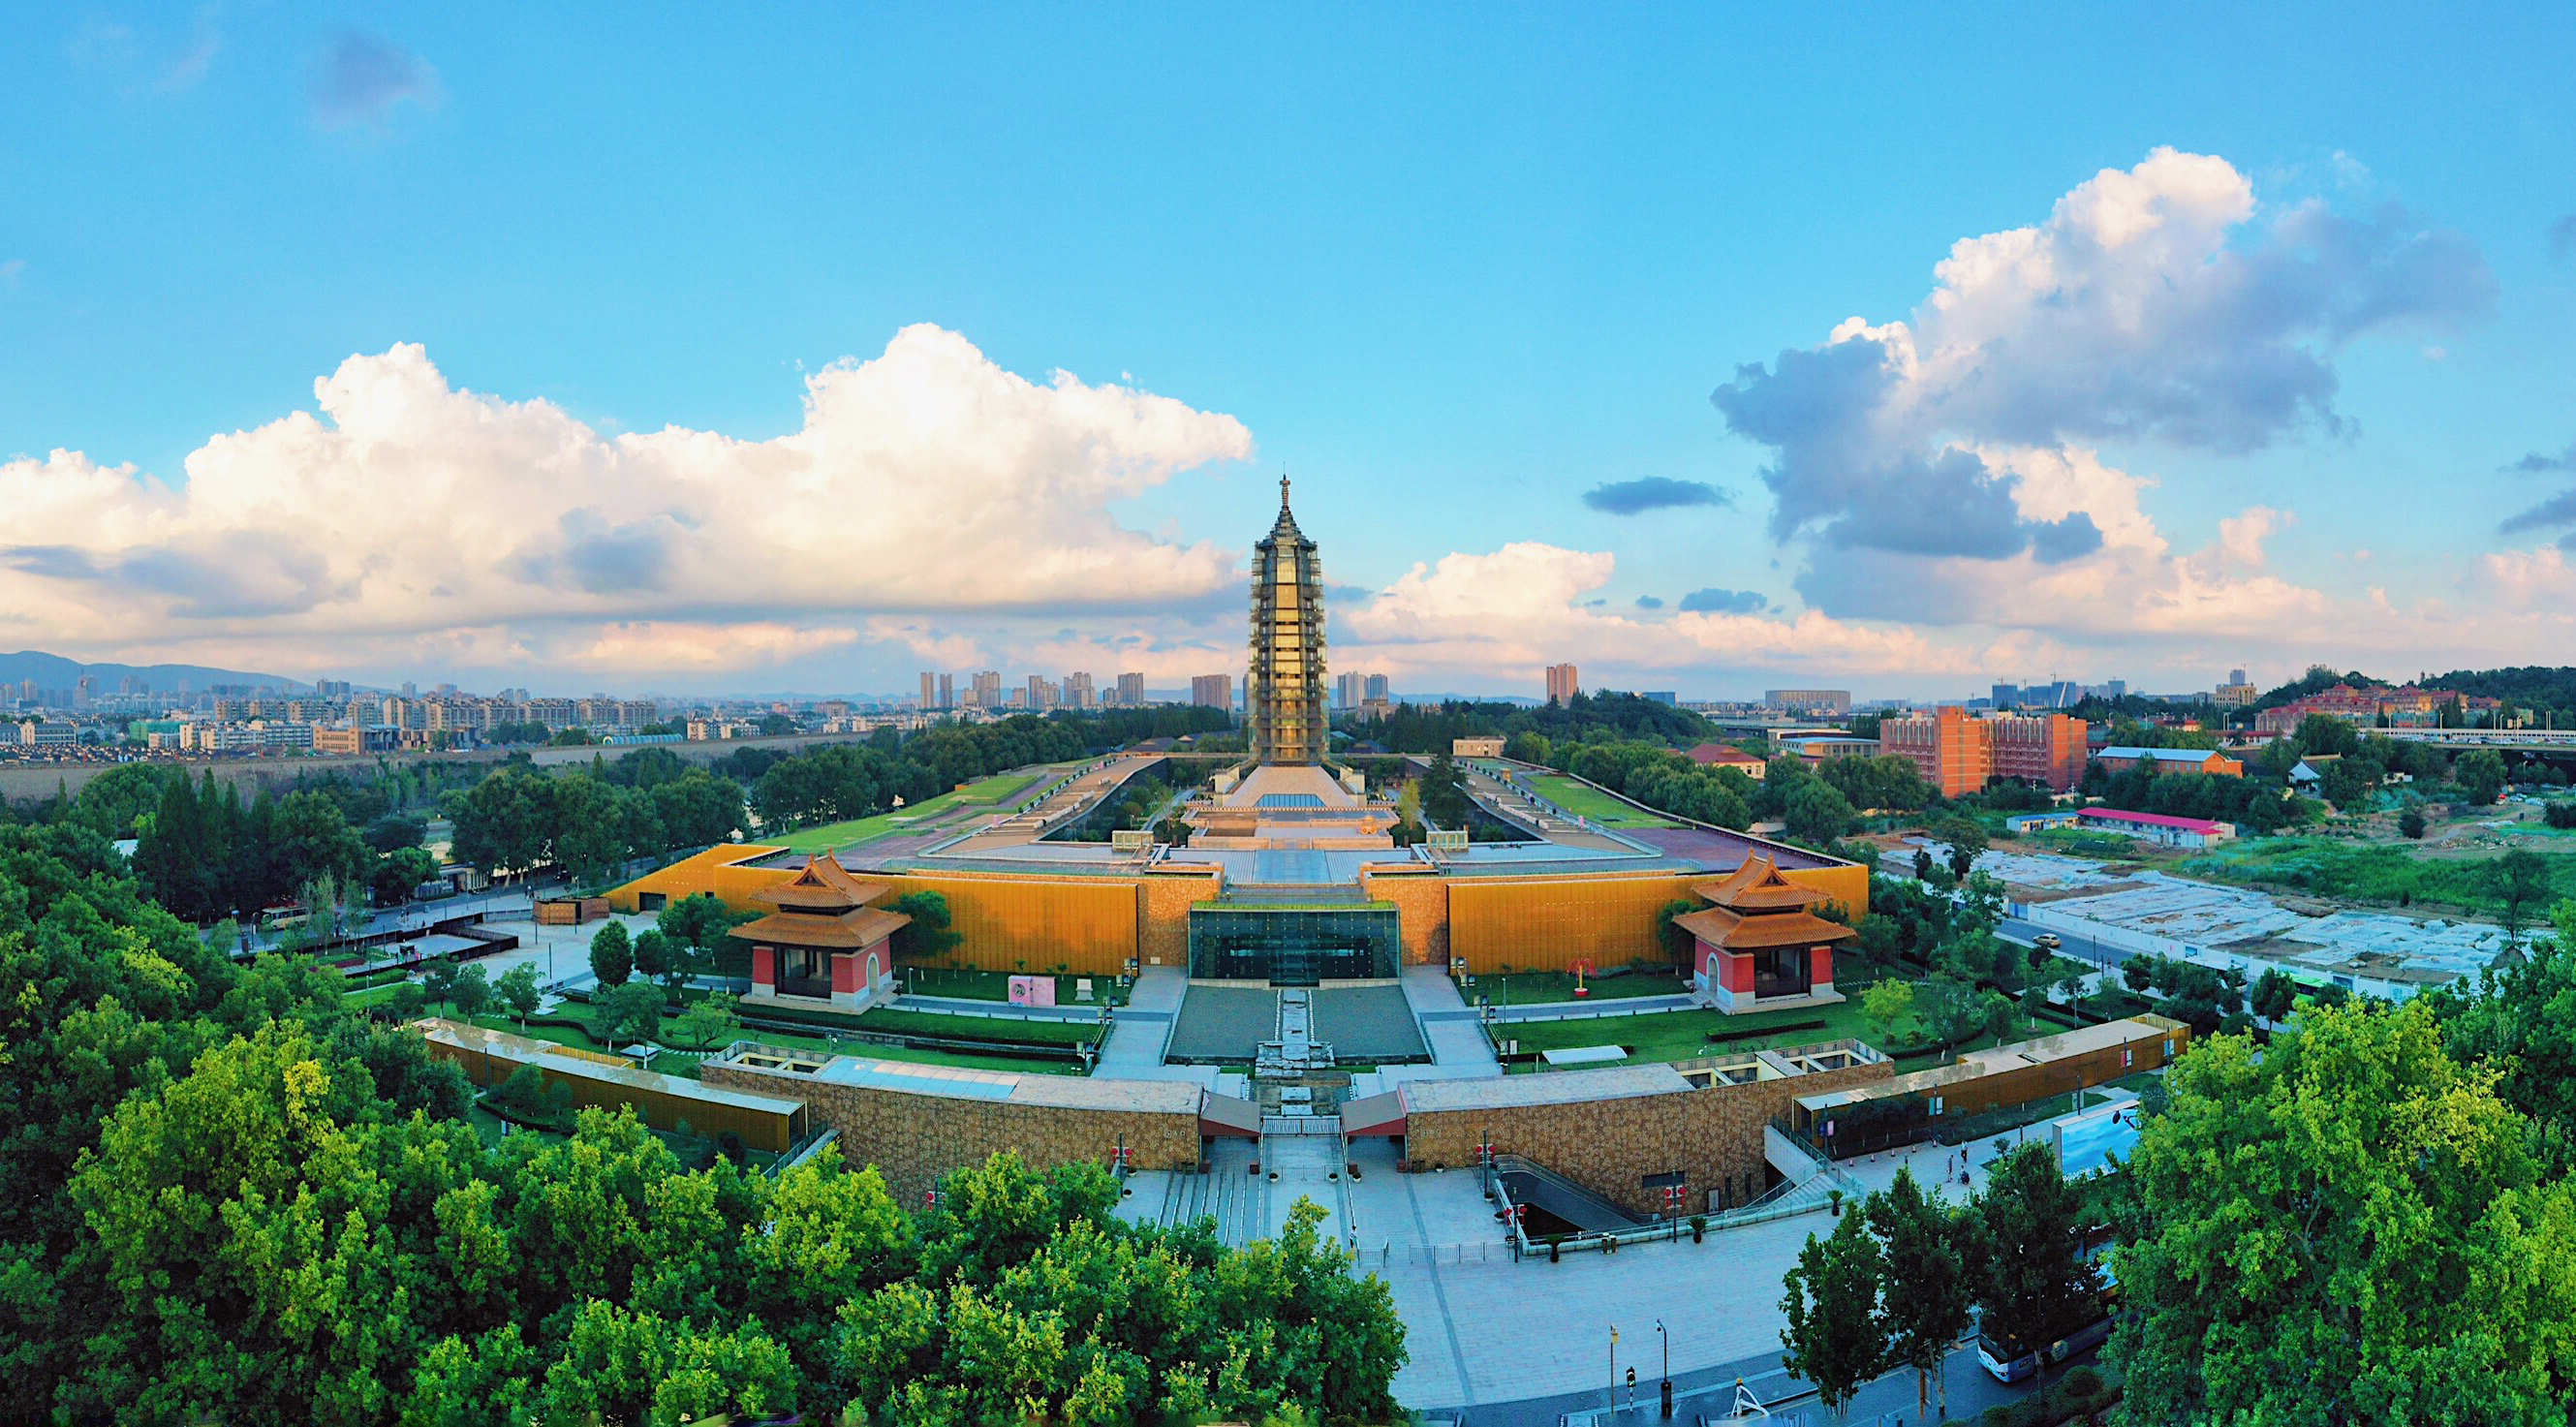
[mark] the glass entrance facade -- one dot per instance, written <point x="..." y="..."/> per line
<point x="1295" y="946"/>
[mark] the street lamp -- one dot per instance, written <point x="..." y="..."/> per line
<point x="1668" y="1366"/>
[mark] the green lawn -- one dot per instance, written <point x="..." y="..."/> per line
<point x="1530" y="988"/>
<point x="1683" y="1035"/>
<point x="1584" y="800"/>
<point x="685" y="1063"/>
<point x="831" y="836"/>
<point x="1031" y="1031"/>
<point x="2381" y="874"/>
<point x="995" y="985"/>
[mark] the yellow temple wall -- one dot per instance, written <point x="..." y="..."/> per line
<point x="1549" y="923"/>
<point x="708" y="871"/>
<point x="1080" y="926"/>
<point x="1847" y="887"/>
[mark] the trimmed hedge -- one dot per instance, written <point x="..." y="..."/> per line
<point x="1762" y="1032"/>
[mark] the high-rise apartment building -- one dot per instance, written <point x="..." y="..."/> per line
<point x="1283" y="692"/>
<point x="1958" y="753"/>
<point x="948" y="691"/>
<point x="1348" y="690"/>
<point x="1131" y="691"/>
<point x="1375" y="691"/>
<point x="929" y="689"/>
<point x="1041" y="693"/>
<point x="988" y="689"/>
<point x="2236" y="693"/>
<point x="1212" y="691"/>
<point x="1078" y="691"/>
<point x="1563" y="683"/>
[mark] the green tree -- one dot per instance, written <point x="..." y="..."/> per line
<point x="1817" y="814"/>
<point x="709" y="1021"/>
<point x="399" y="873"/>
<point x="2326" y="734"/>
<point x="612" y="954"/>
<point x="654" y="955"/>
<point x="394" y="832"/>
<point x="930" y="935"/>
<point x="473" y="991"/>
<point x="2520" y="1021"/>
<point x="2382" y="1247"/>
<point x="2410" y="824"/>
<point x="1966" y="838"/>
<point x="1950" y="1008"/>
<point x="1836" y="1339"/>
<point x="1885" y="1004"/>
<point x="2033" y="1285"/>
<point x="518" y="990"/>
<point x="628" y="1013"/>
<point x="182" y="856"/>
<point x="2275" y="995"/>
<point x="2480" y="774"/>
<point x="438" y="982"/>
<point x="698" y="922"/>
<point x="2521" y="881"/>
<point x="1925" y="1294"/>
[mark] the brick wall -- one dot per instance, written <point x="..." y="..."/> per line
<point x="1712" y="1136"/>
<point x="1163" y="903"/>
<point x="914" y="1138"/>
<point x="1421" y="909"/>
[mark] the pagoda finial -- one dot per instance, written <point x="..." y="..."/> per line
<point x="1283" y="490"/>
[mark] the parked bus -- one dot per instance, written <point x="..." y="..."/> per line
<point x="2011" y="1360"/>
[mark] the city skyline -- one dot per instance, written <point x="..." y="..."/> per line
<point x="2187" y="382"/>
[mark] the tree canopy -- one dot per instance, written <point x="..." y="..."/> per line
<point x="2349" y="1227"/>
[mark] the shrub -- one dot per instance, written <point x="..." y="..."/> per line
<point x="1996" y="1416"/>
<point x="2083" y="1383"/>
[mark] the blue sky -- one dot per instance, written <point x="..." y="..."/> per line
<point x="1450" y="270"/>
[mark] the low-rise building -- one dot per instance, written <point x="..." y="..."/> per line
<point x="1760" y="945"/>
<point x="2161" y="829"/>
<point x="2170" y="760"/>
<point x="1727" y="755"/>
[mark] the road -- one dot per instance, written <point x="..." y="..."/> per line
<point x="2082" y="948"/>
<point x="1709" y="1391"/>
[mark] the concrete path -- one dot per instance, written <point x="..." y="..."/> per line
<point x="1590" y="1010"/>
<point x="1458" y="1048"/>
<point x="1139" y="1030"/>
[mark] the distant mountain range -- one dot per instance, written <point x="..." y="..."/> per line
<point x="53" y="671"/>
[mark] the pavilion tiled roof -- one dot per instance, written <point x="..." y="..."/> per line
<point x="823" y="884"/>
<point x="823" y="905"/>
<point x="1736" y="931"/>
<point x="1758" y="886"/>
<point x="850" y="931"/>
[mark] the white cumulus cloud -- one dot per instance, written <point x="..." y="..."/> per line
<point x="403" y="510"/>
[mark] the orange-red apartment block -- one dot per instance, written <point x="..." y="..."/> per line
<point x="1958" y="754"/>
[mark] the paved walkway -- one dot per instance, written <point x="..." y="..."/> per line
<point x="1139" y="1030"/>
<point x="1589" y="1010"/>
<point x="1458" y="1048"/>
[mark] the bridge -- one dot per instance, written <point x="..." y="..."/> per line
<point x="2539" y="740"/>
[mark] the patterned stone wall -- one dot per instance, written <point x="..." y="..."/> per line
<point x="1713" y="1136"/>
<point x="913" y="1138"/>
<point x="1163" y="905"/>
<point x="1421" y="906"/>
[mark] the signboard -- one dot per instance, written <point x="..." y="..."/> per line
<point x="1032" y="990"/>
